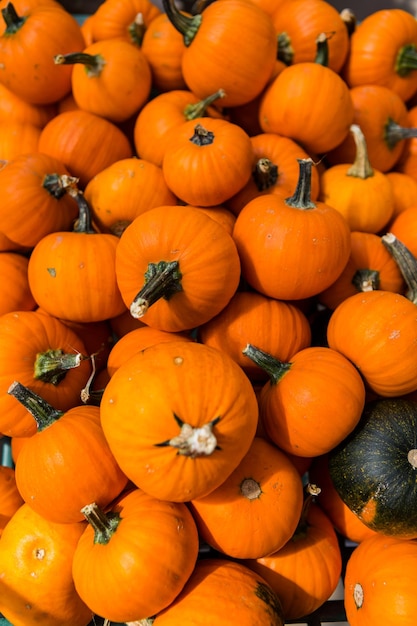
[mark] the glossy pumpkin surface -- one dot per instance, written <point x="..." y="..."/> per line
<point x="207" y="418"/>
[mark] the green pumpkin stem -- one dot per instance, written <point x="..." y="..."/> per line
<point x="54" y="184"/>
<point x="349" y="19"/>
<point x="268" y="363"/>
<point x="12" y="20"/>
<point x="186" y="25"/>
<point x="366" y="280"/>
<point x="52" y="366"/>
<point x="361" y="167"/>
<point x="322" y="50"/>
<point x="265" y="174"/>
<point x="137" y="30"/>
<point x="93" y="63"/>
<point x="285" y="51"/>
<point x="301" y="199"/>
<point x="406" y="60"/>
<point x="393" y="133"/>
<point x="406" y="262"/>
<point x="84" y="223"/>
<point x="44" y="414"/>
<point x="192" y="111"/>
<point x="162" y="280"/>
<point x="103" y="524"/>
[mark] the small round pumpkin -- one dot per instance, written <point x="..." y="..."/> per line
<point x="207" y="418"/>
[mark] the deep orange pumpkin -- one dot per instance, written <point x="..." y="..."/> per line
<point x="176" y="267"/>
<point x="207" y="418"/>
<point x="255" y="511"/>
<point x="67" y="463"/>
<point x="10" y="498"/>
<point x="121" y="545"/>
<point x="123" y="19"/>
<point x="15" y="294"/>
<point x="291" y="248"/>
<point x="35" y="572"/>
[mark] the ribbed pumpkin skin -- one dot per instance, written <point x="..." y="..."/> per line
<point x="227" y="591"/>
<point x="373" y="469"/>
<point x="197" y="384"/>
<point x="380" y="583"/>
<point x="377" y="331"/>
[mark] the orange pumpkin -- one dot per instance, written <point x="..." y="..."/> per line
<point x="404" y="188"/>
<point x="10" y="498"/>
<point x="176" y="267"/>
<point x="305" y="572"/>
<point x="207" y="417"/>
<point x="276" y="326"/>
<point x="41" y="206"/>
<point x="216" y="34"/>
<point x="67" y="463"/>
<point x="122" y="191"/>
<point x="36" y="584"/>
<point x="122" y="543"/>
<point x="110" y="78"/>
<point x="29" y="42"/>
<point x="293" y="106"/>
<point x="361" y="193"/>
<point x="45" y="355"/>
<point x="163" y="47"/>
<point x="370" y="266"/>
<point x="295" y="404"/>
<point x="224" y="580"/>
<point x="379" y="582"/>
<point x="378" y="57"/>
<point x="15" y="294"/>
<point x="14" y="109"/>
<point x="17" y="138"/>
<point x="86" y="143"/>
<point x="207" y="161"/>
<point x="72" y="274"/>
<point x="292" y="248"/>
<point x="123" y="19"/>
<point x="255" y="511"/>
<point x="404" y="228"/>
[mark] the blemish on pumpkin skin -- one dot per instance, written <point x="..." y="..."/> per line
<point x="51" y="271"/>
<point x="178" y="360"/>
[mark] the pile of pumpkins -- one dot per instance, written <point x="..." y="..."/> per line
<point x="208" y="323"/>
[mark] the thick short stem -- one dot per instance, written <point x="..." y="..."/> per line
<point x="55" y="184"/>
<point x="193" y="441"/>
<point x="186" y="25"/>
<point x="44" y="414"/>
<point x="199" y="109"/>
<point x="250" y="489"/>
<point x="202" y="136"/>
<point x="361" y="167"/>
<point x="93" y="63"/>
<point x="52" y="366"/>
<point x="301" y="199"/>
<point x="349" y="19"/>
<point x="12" y="20"/>
<point x="366" y="280"/>
<point x="137" y="30"/>
<point x="285" y="51"/>
<point x="265" y="174"/>
<point x="162" y="280"/>
<point x="322" y="49"/>
<point x="275" y="368"/>
<point x="393" y="133"/>
<point x="406" y="60"/>
<point x="103" y="524"/>
<point x="406" y="262"/>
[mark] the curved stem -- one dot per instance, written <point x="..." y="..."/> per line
<point x="361" y="167"/>
<point x="406" y="60"/>
<point x="265" y="174"/>
<point x="322" y="49"/>
<point x="192" y="111"/>
<point x="393" y="133"/>
<point x="272" y="366"/>
<point x="301" y="199"/>
<point x="56" y="185"/>
<point x="104" y="524"/>
<point x="162" y="280"/>
<point x="84" y="224"/>
<point x="44" y="414"/>
<point x="366" y="280"/>
<point x="349" y="19"/>
<point x="406" y="262"/>
<point x="93" y="63"/>
<point x="52" y="366"/>
<point x="12" y="20"/>
<point x="310" y="492"/>
<point x="187" y="25"/>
